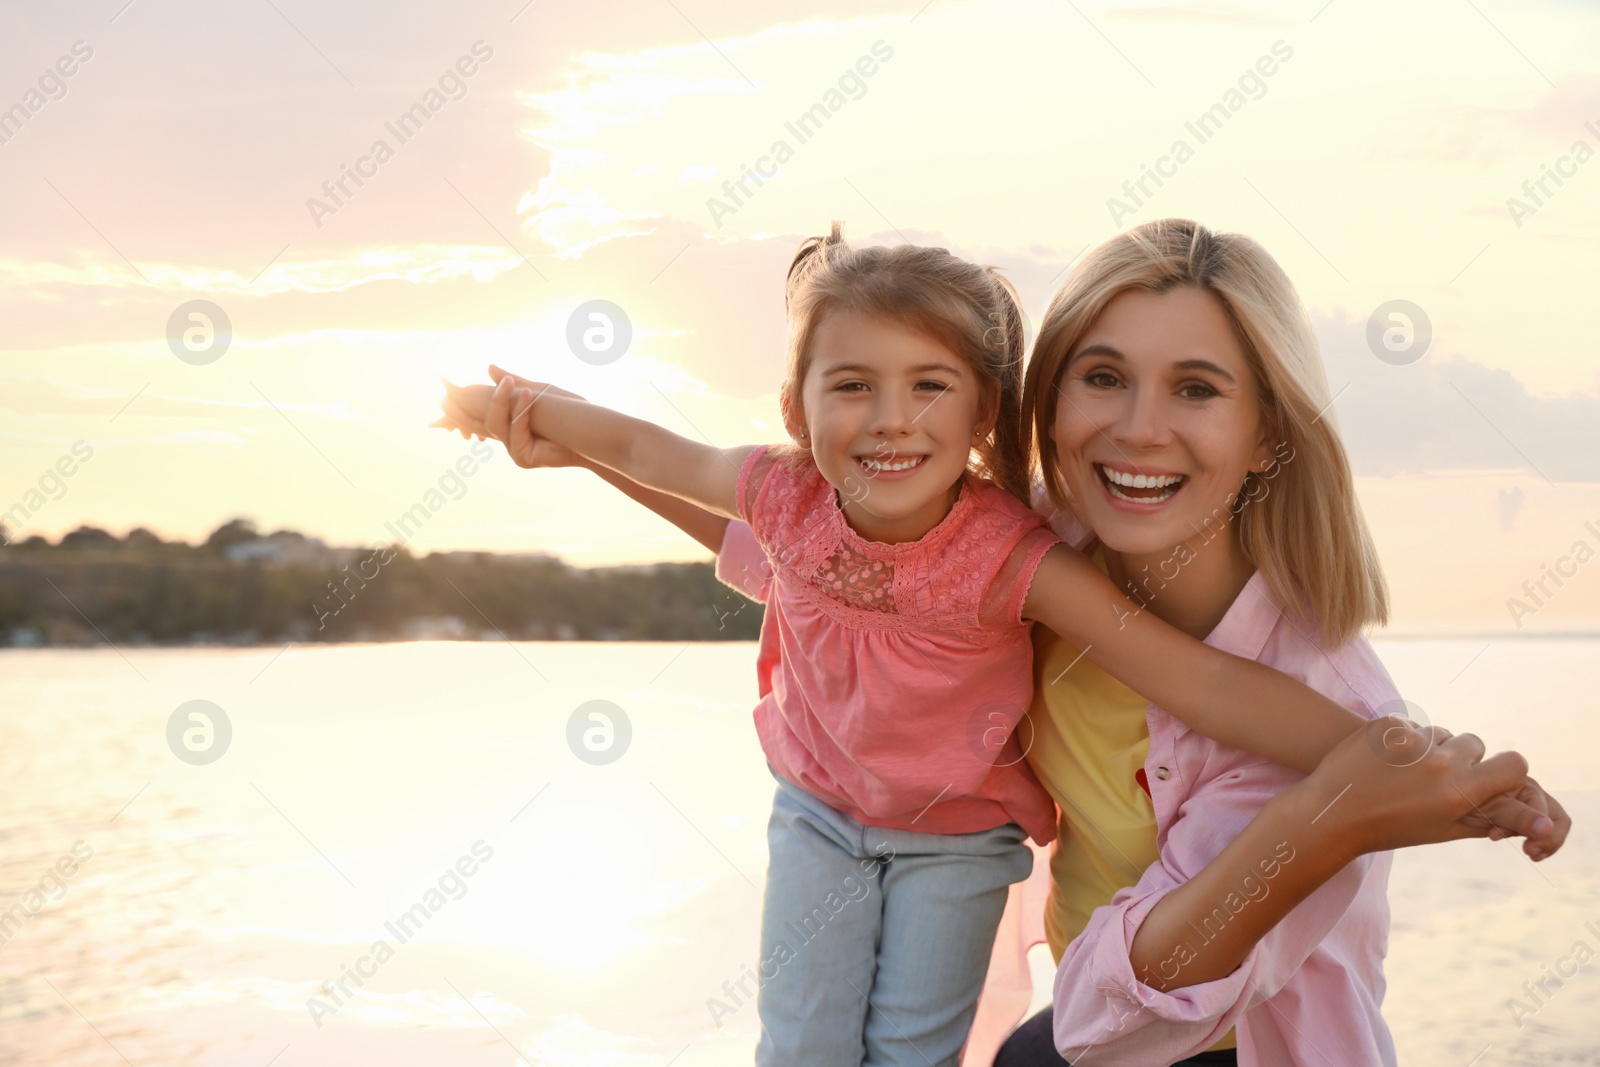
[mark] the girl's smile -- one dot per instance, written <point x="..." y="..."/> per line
<point x="890" y="470"/>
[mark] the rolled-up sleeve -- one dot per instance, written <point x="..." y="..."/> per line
<point x="1104" y="1015"/>
<point x="742" y="565"/>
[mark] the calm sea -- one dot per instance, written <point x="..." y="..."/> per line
<point x="414" y="821"/>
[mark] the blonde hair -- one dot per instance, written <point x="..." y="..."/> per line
<point x="969" y="309"/>
<point x="1306" y="533"/>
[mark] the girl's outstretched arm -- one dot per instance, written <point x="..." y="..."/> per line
<point x="1230" y="699"/>
<point x="467" y="410"/>
<point x="641" y="451"/>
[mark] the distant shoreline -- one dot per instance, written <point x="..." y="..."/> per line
<point x="242" y="589"/>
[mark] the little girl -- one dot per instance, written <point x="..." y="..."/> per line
<point x="905" y="569"/>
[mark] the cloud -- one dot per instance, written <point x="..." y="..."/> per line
<point x="1452" y="413"/>
<point x="37" y="396"/>
<point x="418" y="265"/>
<point x="1483" y="136"/>
<point x="621" y="116"/>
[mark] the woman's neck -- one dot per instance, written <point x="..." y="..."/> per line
<point x="1190" y="586"/>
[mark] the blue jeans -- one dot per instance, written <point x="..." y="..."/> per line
<point x="875" y="942"/>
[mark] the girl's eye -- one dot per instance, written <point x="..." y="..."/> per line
<point x="940" y="386"/>
<point x="1197" y="391"/>
<point x="850" y="387"/>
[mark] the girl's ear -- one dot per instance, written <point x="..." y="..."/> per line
<point x="988" y="415"/>
<point x="794" y="418"/>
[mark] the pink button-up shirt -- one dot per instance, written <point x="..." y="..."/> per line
<point x="1309" y="992"/>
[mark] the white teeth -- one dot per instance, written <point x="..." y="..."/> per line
<point x="901" y="465"/>
<point x="1141" y="481"/>
<point x="1120" y="495"/>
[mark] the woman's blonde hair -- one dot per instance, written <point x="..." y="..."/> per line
<point x="1304" y="531"/>
<point x="969" y="309"/>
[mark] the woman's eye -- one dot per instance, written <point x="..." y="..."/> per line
<point x="850" y="387"/>
<point x="1100" y="379"/>
<point x="1197" y="391"/>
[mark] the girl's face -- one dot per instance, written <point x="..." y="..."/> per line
<point x="891" y="417"/>
<point x="1158" y="421"/>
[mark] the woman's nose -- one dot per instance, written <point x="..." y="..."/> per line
<point x="1143" y="420"/>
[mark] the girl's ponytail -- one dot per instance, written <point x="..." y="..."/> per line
<point x="1007" y="462"/>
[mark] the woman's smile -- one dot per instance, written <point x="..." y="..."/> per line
<point x="1144" y="490"/>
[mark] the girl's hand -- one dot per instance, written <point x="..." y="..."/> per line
<point x="470" y="411"/>
<point x="506" y="420"/>
<point x="1504" y="813"/>
<point x="465" y="408"/>
<point x="1372" y="794"/>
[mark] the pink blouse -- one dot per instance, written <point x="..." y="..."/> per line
<point x="892" y="675"/>
<point x="1309" y="993"/>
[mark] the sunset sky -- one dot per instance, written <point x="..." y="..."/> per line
<point x="1446" y="154"/>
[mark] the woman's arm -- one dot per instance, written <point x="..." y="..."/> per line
<point x="1230" y="699"/>
<point x="1355" y="803"/>
<point x="1224" y="920"/>
<point x="704" y="526"/>
<point x="1237" y="701"/>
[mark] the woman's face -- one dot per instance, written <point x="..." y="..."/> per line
<point x="1158" y="421"/>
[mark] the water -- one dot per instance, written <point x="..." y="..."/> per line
<point x="216" y="900"/>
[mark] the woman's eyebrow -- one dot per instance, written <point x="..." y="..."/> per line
<point x="1107" y="352"/>
<point x="1094" y="350"/>
<point x="1203" y="364"/>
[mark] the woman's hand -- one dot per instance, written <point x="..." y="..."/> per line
<point x="1392" y="785"/>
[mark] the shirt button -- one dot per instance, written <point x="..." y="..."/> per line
<point x="1163" y="774"/>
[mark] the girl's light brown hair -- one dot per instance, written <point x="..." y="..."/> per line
<point x="969" y="309"/>
<point x="1305" y="533"/>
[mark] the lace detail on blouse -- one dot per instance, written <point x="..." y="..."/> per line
<point x="945" y="580"/>
<point x="858" y="580"/>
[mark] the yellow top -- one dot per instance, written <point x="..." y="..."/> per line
<point x="1087" y="738"/>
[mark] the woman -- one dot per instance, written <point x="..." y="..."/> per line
<point x="1179" y="409"/>
<point x="1200" y="899"/>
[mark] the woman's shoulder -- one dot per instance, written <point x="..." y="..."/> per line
<point x="1061" y="520"/>
<point x="1351" y="673"/>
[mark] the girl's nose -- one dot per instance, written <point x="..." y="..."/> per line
<point x="893" y="416"/>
